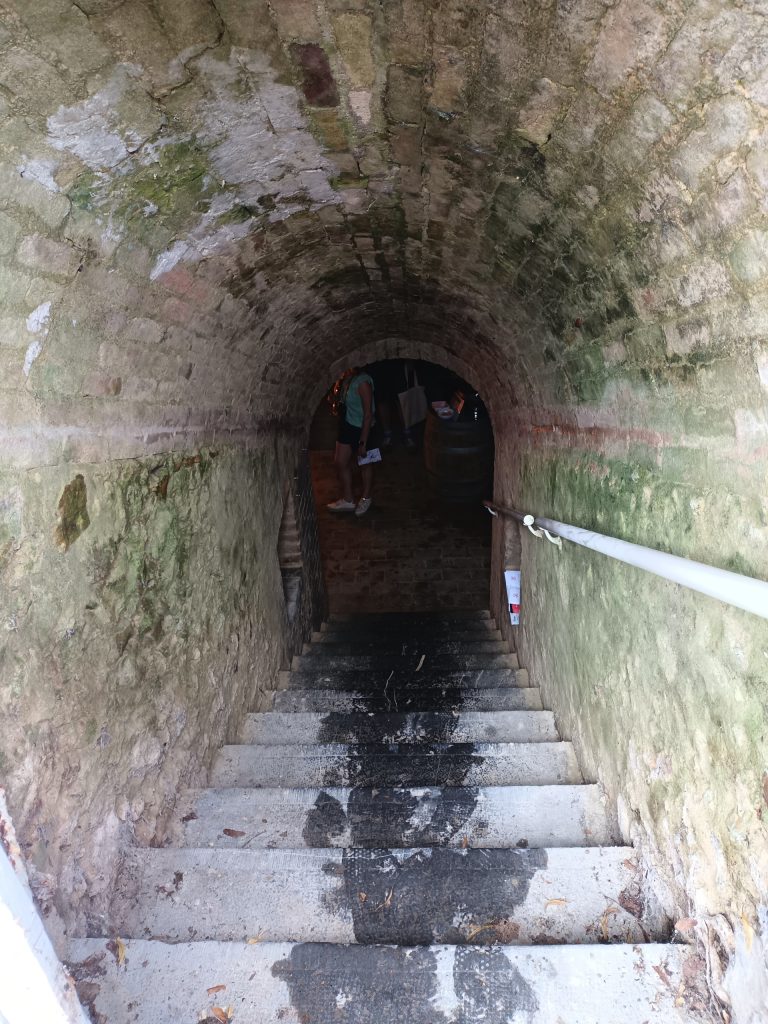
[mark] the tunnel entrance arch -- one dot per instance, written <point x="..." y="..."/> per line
<point x="415" y="549"/>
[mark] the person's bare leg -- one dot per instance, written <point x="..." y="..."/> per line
<point x="366" y="472"/>
<point x="343" y="459"/>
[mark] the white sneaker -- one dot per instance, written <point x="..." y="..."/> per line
<point x="342" y="505"/>
<point x="362" y="506"/>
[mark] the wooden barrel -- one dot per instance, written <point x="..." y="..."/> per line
<point x="458" y="456"/>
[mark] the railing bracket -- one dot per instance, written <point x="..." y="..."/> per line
<point x="529" y="521"/>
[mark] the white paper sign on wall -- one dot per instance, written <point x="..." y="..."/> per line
<point x="512" y="579"/>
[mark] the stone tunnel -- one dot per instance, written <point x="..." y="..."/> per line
<point x="208" y="209"/>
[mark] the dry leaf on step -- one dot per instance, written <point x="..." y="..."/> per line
<point x="215" y="988"/>
<point x="223" y="1015"/>
<point x="555" y="903"/>
<point x="662" y="973"/>
<point x="233" y="833"/>
<point x="255" y="940"/>
<point x="604" y="920"/>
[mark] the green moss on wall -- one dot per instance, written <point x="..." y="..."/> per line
<point x="72" y="513"/>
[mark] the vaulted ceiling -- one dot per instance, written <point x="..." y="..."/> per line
<point x="207" y="205"/>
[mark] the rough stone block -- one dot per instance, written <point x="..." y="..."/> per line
<point x="406" y="27"/>
<point x="727" y="122"/>
<point x="50" y="207"/>
<point x="537" y="118"/>
<point x="46" y="256"/>
<point x="24" y="74"/>
<point x="706" y="281"/>
<point x="354" y="37"/>
<point x="404" y="96"/>
<point x="319" y="85"/>
<point x="192" y="25"/>
<point x="135" y="35"/>
<point x="449" y="83"/>
<point x="64" y="30"/>
<point x="114" y="121"/>
<point x="749" y="258"/>
<point x="406" y="142"/>
<point x="9" y="232"/>
<point x="14" y="333"/>
<point x="248" y="22"/>
<point x="297" y="19"/>
<point x="632" y="35"/>
<point x="575" y="26"/>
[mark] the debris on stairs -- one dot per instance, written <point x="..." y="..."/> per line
<point x="404" y="837"/>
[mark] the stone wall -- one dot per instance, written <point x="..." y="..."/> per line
<point x="664" y="691"/>
<point x="142" y="616"/>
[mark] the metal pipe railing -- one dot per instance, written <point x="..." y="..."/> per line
<point x="743" y="592"/>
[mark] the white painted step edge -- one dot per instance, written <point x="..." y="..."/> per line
<point x="495" y="817"/>
<point x="512" y="698"/>
<point x="521" y="897"/>
<point x="478" y="764"/>
<point x="283" y="983"/>
<point x="277" y="728"/>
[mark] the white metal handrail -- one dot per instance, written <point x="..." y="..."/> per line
<point x="744" y="592"/>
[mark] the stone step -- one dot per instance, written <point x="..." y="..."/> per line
<point x="406" y="648"/>
<point x="425" y="621"/>
<point x="323" y="983"/>
<point x="407" y="897"/>
<point x="409" y="699"/>
<point x="413" y="662"/>
<point x="480" y="630"/>
<point x="429" y="727"/>
<point x="392" y="678"/>
<point x="449" y="764"/>
<point x="490" y="818"/>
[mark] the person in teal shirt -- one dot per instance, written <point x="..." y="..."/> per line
<point x="356" y="420"/>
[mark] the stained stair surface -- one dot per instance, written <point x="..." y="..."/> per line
<point x="403" y="839"/>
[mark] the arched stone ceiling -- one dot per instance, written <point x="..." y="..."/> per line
<point x="205" y="204"/>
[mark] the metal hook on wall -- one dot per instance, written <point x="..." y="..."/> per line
<point x="529" y="522"/>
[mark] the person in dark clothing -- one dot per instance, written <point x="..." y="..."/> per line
<point x="356" y="411"/>
<point x="390" y="377"/>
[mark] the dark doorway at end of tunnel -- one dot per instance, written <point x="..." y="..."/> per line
<point x="425" y="544"/>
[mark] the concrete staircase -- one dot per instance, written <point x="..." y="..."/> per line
<point x="403" y="839"/>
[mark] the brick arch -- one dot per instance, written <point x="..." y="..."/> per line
<point x="400" y="348"/>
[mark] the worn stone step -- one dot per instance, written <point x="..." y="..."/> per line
<point x="429" y="726"/>
<point x="406" y="648"/>
<point x="400" y="698"/>
<point x="413" y="662"/>
<point x="323" y="983"/>
<point x="408" y="897"/>
<point x="491" y="817"/>
<point x="482" y="629"/>
<point x="420" y="620"/>
<point x="449" y="764"/>
<point x="388" y="679"/>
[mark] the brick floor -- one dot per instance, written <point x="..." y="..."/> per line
<point x="408" y="553"/>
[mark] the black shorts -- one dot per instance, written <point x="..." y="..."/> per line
<point x="349" y="434"/>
